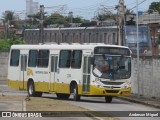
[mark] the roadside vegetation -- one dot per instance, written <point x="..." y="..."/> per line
<point x="5" y="44"/>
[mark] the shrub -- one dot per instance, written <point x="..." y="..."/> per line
<point x="5" y="44"/>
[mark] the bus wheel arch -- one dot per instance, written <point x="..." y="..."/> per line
<point x="31" y="89"/>
<point x="74" y="90"/>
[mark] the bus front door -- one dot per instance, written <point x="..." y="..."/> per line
<point x="23" y="75"/>
<point x="54" y="59"/>
<point x="86" y="75"/>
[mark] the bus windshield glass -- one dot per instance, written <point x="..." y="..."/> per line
<point x="112" y="67"/>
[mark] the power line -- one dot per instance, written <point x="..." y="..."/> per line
<point x="138" y="4"/>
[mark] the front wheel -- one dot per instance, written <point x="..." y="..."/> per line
<point x="108" y="99"/>
<point x="76" y="97"/>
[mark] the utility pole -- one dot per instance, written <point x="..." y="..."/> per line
<point x="41" y="23"/>
<point x="6" y="29"/>
<point x="121" y="13"/>
<point x="70" y="16"/>
<point x="138" y="64"/>
<point x="6" y="25"/>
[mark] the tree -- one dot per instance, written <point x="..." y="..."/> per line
<point x="88" y="24"/>
<point x="55" y="18"/>
<point x="34" y="19"/>
<point x="75" y="19"/>
<point x="131" y="15"/>
<point x="154" y="6"/>
<point x="9" y="17"/>
<point x="105" y="14"/>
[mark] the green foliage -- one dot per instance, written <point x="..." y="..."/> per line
<point x="88" y="24"/>
<point x="55" y="18"/>
<point x="5" y="44"/>
<point x="9" y="17"/>
<point x="155" y="6"/>
<point x="34" y="20"/>
<point x="74" y="19"/>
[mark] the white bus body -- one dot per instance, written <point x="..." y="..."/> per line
<point x="69" y="69"/>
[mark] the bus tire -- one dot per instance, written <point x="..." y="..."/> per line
<point x="108" y="99"/>
<point x="76" y="97"/>
<point x="31" y="90"/>
<point x="62" y="96"/>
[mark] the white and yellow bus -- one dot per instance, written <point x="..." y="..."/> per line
<point x="77" y="69"/>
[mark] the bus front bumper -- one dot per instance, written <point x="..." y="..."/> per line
<point x="94" y="91"/>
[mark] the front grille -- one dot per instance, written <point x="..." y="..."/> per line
<point x="112" y="83"/>
<point x="111" y="87"/>
<point x="112" y="91"/>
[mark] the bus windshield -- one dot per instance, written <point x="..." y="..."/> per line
<point x="112" y="66"/>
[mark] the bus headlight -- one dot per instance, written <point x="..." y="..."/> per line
<point x="97" y="84"/>
<point x="125" y="85"/>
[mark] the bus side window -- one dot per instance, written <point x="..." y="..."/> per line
<point x="65" y="58"/>
<point x="43" y="58"/>
<point x="14" y="61"/>
<point x="32" y="60"/>
<point x="76" y="59"/>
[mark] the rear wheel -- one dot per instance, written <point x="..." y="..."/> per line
<point x="76" y="97"/>
<point x="31" y="90"/>
<point x="108" y="99"/>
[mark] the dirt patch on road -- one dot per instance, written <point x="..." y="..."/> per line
<point x="49" y="104"/>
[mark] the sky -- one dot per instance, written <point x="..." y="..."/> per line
<point x="84" y="8"/>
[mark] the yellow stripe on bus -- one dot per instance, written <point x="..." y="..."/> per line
<point x="65" y="89"/>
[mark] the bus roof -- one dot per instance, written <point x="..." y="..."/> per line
<point x="73" y="28"/>
<point x="63" y="46"/>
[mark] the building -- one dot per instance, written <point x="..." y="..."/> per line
<point x="1" y="26"/>
<point x="149" y="18"/>
<point x="35" y="7"/>
<point x="31" y="7"/>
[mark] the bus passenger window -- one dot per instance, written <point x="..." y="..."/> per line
<point x="65" y="59"/>
<point x="43" y="58"/>
<point x="14" y="61"/>
<point x="32" y="61"/>
<point x="76" y="59"/>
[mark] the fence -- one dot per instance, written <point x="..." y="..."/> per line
<point x="3" y="66"/>
<point x="149" y="76"/>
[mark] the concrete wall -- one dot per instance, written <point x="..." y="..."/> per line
<point x="3" y="65"/>
<point x="149" y="77"/>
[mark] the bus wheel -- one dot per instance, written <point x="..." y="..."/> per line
<point x="62" y="96"/>
<point x="108" y="99"/>
<point x="76" y="97"/>
<point x="31" y="90"/>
